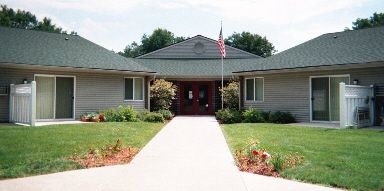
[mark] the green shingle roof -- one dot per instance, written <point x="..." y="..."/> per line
<point x="194" y="67"/>
<point x="340" y="48"/>
<point x="21" y="46"/>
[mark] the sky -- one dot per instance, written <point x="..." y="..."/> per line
<point x="114" y="24"/>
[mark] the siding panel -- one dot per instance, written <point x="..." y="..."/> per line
<point x="94" y="91"/>
<point x="291" y="91"/>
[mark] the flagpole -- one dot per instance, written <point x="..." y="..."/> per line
<point x="222" y="82"/>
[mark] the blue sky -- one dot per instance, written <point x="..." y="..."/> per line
<point x="114" y="24"/>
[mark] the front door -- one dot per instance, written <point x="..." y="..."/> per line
<point x="196" y="98"/>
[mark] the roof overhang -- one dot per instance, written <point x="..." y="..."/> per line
<point x="73" y="69"/>
<point x="313" y="68"/>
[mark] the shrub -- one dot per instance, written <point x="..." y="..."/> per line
<point x="281" y="117"/>
<point x="168" y="115"/>
<point x="154" y="117"/>
<point x="142" y="114"/>
<point x="229" y="116"/>
<point x="253" y="115"/>
<point x="265" y="115"/>
<point x="113" y="115"/>
<point x="127" y="112"/>
<point x="162" y="94"/>
<point x="231" y="95"/>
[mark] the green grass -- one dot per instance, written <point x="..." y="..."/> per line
<point x="347" y="158"/>
<point x="26" y="151"/>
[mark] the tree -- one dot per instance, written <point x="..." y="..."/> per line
<point x="376" y="20"/>
<point x="162" y="94"/>
<point x="159" y="38"/>
<point x="231" y="93"/>
<point x="252" y="43"/>
<point x="27" y="20"/>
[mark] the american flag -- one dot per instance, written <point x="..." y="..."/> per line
<point x="221" y="44"/>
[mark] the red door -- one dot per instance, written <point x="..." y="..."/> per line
<point x="196" y="98"/>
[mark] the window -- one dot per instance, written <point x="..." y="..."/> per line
<point x="254" y="89"/>
<point x="134" y="89"/>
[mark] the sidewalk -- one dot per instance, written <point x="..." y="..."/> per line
<point x="190" y="153"/>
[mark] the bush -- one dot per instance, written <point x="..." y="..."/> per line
<point x="253" y="115"/>
<point x="265" y="115"/>
<point x="231" y="94"/>
<point x="168" y="115"/>
<point x="142" y="114"/>
<point x="229" y="116"/>
<point x="154" y="117"/>
<point x="162" y="94"/>
<point x="120" y="114"/>
<point x="127" y="112"/>
<point x="112" y="115"/>
<point x="281" y="117"/>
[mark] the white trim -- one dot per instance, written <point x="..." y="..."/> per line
<point x="133" y="91"/>
<point x="329" y="95"/>
<point x="254" y="89"/>
<point x="54" y="101"/>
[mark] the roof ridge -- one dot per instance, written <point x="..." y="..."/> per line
<point x="38" y="31"/>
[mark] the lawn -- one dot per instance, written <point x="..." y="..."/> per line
<point x="347" y="158"/>
<point x="26" y="151"/>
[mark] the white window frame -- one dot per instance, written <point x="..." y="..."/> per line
<point x="254" y="89"/>
<point x="54" y="100"/>
<point x="329" y="94"/>
<point x="133" y="90"/>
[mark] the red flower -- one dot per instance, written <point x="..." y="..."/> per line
<point x="255" y="152"/>
<point x="265" y="155"/>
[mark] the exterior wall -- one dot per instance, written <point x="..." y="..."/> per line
<point x="94" y="91"/>
<point x="291" y="91"/>
<point x="187" y="49"/>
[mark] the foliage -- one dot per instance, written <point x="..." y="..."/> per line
<point x="252" y="115"/>
<point x="120" y="114"/>
<point x="255" y="160"/>
<point x="229" y="116"/>
<point x="159" y="38"/>
<point x="167" y="115"/>
<point x="29" y="151"/>
<point x="265" y="115"/>
<point x="231" y="93"/>
<point x="93" y="117"/>
<point x="127" y="112"/>
<point x="281" y="117"/>
<point x="142" y="114"/>
<point x="376" y="20"/>
<point x="154" y="117"/>
<point x="27" y="20"/>
<point x="162" y="94"/>
<point x="278" y="162"/>
<point x="252" y="43"/>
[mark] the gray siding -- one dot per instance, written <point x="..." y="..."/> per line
<point x="291" y="91"/>
<point x="187" y="50"/>
<point x="94" y="91"/>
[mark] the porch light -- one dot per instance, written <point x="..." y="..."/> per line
<point x="355" y="82"/>
<point x="25" y="81"/>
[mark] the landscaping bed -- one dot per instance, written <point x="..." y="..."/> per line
<point x="344" y="158"/>
<point x="26" y="151"/>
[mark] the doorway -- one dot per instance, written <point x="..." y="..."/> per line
<point x="54" y="97"/>
<point x="325" y="97"/>
<point x="196" y="98"/>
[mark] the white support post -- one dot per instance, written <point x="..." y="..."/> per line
<point x="149" y="94"/>
<point x="342" y="106"/>
<point x="11" y="100"/>
<point x="33" y="103"/>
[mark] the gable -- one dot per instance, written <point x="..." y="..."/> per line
<point x="197" y="47"/>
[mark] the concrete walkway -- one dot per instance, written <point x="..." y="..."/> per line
<point x="190" y="153"/>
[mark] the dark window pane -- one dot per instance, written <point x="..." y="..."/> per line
<point x="128" y="94"/>
<point x="250" y="89"/>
